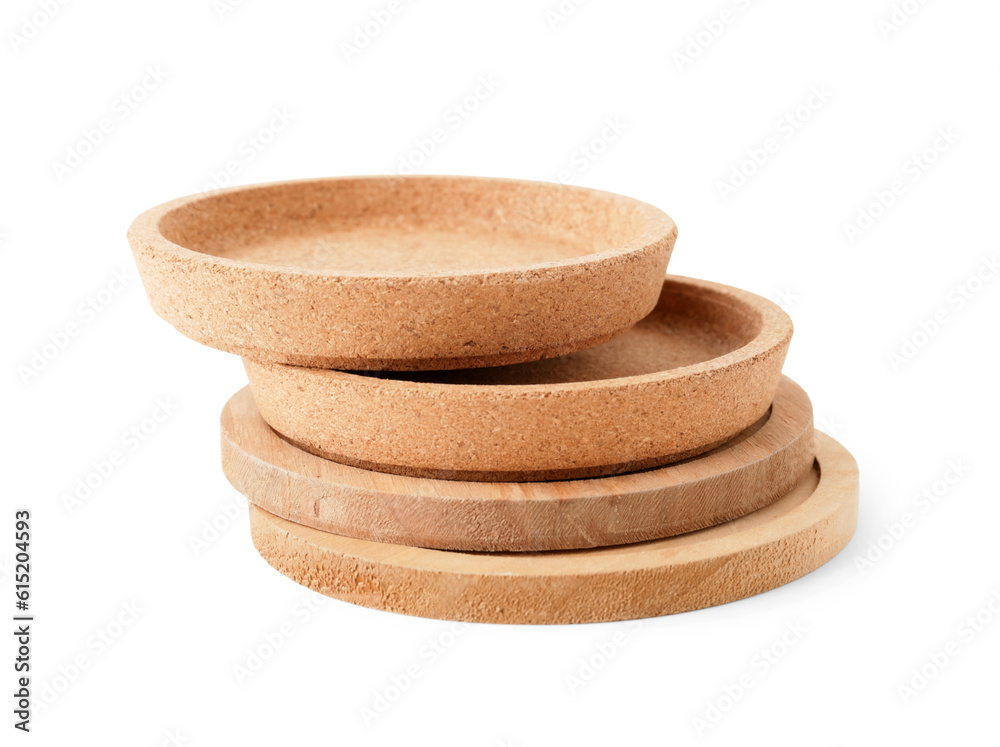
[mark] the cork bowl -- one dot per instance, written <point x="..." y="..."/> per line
<point x="403" y="273"/>
<point x="703" y="366"/>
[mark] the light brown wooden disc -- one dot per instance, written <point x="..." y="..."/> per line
<point x="759" y="466"/>
<point x="702" y="367"/>
<point x="770" y="547"/>
<point x="403" y="273"/>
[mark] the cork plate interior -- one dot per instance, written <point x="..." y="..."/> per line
<point x="703" y="366"/>
<point x="757" y="467"/>
<point x="765" y="549"/>
<point x="402" y="273"/>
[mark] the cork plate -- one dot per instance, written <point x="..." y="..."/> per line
<point x="703" y="366"/>
<point x="779" y="543"/>
<point x="402" y="273"/>
<point x="757" y="467"/>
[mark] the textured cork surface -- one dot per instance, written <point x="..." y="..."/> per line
<point x="757" y="467"/>
<point x="402" y="273"/>
<point x="703" y="366"/>
<point x="765" y="549"/>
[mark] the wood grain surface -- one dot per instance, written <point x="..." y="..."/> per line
<point x="758" y="466"/>
<point x="765" y="549"/>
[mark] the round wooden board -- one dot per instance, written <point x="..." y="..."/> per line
<point x="754" y="469"/>
<point x="703" y="366"/>
<point x="770" y="547"/>
<point x="402" y="272"/>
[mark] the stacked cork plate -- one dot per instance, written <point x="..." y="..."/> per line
<point x="484" y="400"/>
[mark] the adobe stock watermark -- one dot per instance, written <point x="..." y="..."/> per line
<point x="829" y="425"/>
<point x="225" y="516"/>
<point x="453" y="119"/>
<point x="122" y="106"/>
<point x="107" y="465"/>
<point x="250" y="148"/>
<point x="956" y="299"/>
<point x="85" y="313"/>
<point x="270" y="642"/>
<point x="711" y="30"/>
<point x="589" y="666"/>
<point x="586" y="154"/>
<point x="174" y="738"/>
<point x="562" y="11"/>
<point x="939" y="659"/>
<point x="224" y="8"/>
<point x="370" y="29"/>
<point x="31" y="25"/>
<point x="400" y="683"/>
<point x="923" y="501"/>
<point x="787" y="126"/>
<point x="786" y="298"/>
<point x="899" y="15"/>
<point x="95" y="646"/>
<point x="762" y="663"/>
<point x="912" y="171"/>
<point x="3" y="237"/>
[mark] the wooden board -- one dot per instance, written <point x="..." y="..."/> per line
<point x="402" y="273"/>
<point x="770" y="547"/>
<point x="694" y="373"/>
<point x="757" y="467"/>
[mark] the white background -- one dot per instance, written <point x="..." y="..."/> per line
<point x="889" y="90"/>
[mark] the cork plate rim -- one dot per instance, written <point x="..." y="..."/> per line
<point x="525" y="427"/>
<point x="776" y="329"/>
<point x="145" y="228"/>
